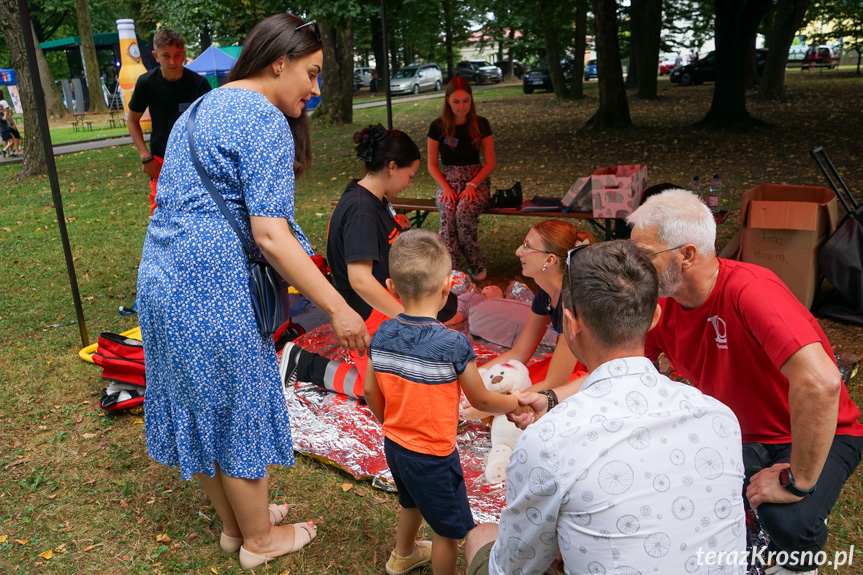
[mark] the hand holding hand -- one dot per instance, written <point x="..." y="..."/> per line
<point x="764" y="487"/>
<point x="537" y="404"/>
<point x="351" y="330"/>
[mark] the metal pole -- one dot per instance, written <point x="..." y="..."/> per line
<point x="38" y="96"/>
<point x="387" y="65"/>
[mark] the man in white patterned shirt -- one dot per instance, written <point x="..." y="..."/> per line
<point x="634" y="473"/>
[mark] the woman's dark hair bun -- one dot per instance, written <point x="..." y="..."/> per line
<point x="377" y="147"/>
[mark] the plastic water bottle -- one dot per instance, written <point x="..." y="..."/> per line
<point x="695" y="187"/>
<point x="715" y="194"/>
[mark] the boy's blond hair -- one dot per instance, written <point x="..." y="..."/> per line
<point x="419" y="262"/>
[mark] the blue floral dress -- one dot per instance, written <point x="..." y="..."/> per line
<point x="213" y="390"/>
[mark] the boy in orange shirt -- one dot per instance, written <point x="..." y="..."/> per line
<point x="417" y="371"/>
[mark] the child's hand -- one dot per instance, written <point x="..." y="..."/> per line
<point x="523" y="416"/>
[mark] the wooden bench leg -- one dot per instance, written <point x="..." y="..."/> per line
<point x="418" y="218"/>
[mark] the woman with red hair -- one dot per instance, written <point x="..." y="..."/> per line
<point x="459" y="135"/>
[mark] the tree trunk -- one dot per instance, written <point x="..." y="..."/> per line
<point x="750" y="68"/>
<point x="735" y="21"/>
<point x="378" y="48"/>
<point x="613" y="109"/>
<point x="54" y="106"/>
<point x="448" y="32"/>
<point x="34" y="155"/>
<point x="647" y="55"/>
<point x="789" y="16"/>
<point x="337" y="81"/>
<point x="511" y="74"/>
<point x="552" y="50"/>
<point x="205" y="37"/>
<point x="576" y="90"/>
<point x="91" y="62"/>
<point x="636" y="42"/>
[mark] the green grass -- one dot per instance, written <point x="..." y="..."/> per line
<point x="79" y="483"/>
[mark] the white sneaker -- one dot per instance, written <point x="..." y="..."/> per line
<point x="780" y="570"/>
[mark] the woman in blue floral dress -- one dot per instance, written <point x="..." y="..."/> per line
<point x="214" y="403"/>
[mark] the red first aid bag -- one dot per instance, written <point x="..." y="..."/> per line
<point x="122" y="361"/>
<point x="121" y="358"/>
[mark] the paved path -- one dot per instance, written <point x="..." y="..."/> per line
<point x="94" y="144"/>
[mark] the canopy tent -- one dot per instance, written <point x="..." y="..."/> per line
<point x="232" y="51"/>
<point x="106" y="40"/>
<point x="213" y="65"/>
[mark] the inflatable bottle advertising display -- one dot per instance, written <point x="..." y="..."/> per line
<point x="130" y="67"/>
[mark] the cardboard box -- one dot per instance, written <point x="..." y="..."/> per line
<point x="782" y="229"/>
<point x="579" y="197"/>
<point x="617" y="190"/>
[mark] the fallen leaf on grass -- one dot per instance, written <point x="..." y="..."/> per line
<point x="3" y="538"/>
<point x="138" y="421"/>
<point x="91" y="547"/>
<point x="163" y="538"/>
<point x="18" y="462"/>
<point x="214" y="571"/>
<point x="346" y="487"/>
<point x="89" y="435"/>
<point x="22" y="541"/>
<point x="47" y="554"/>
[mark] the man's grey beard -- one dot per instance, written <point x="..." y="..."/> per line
<point x="670" y="279"/>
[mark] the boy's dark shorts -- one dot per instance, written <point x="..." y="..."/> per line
<point x="433" y="484"/>
<point x="482" y="559"/>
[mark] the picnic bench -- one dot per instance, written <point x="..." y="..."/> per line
<point x="84" y="121"/>
<point x="419" y="209"/>
<point x="605" y="228"/>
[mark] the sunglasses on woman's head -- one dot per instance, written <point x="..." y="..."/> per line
<point x="313" y="26"/>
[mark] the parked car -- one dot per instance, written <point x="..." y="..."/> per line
<point x="416" y="78"/>
<point x="820" y="57"/>
<point x="365" y="75"/>
<point x="539" y="77"/>
<point x="704" y="69"/>
<point x="358" y="80"/>
<point x="590" y="69"/>
<point x="667" y="63"/>
<point x="478" y="71"/>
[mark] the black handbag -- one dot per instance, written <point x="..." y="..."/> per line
<point x="508" y="198"/>
<point x="266" y="287"/>
<point x="840" y="258"/>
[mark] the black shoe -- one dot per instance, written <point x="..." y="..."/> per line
<point x="289" y="363"/>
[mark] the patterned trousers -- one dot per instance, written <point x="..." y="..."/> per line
<point x="459" y="220"/>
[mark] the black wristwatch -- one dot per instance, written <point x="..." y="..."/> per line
<point x="551" y="396"/>
<point x="786" y="480"/>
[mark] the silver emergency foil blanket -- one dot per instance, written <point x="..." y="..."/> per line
<point x="343" y="432"/>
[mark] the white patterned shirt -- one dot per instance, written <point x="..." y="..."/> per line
<point x="634" y="474"/>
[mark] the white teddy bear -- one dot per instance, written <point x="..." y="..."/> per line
<point x="503" y="378"/>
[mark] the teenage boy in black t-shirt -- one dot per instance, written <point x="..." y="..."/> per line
<point x="167" y="90"/>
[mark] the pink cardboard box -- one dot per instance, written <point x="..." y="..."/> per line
<point x="617" y="190"/>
